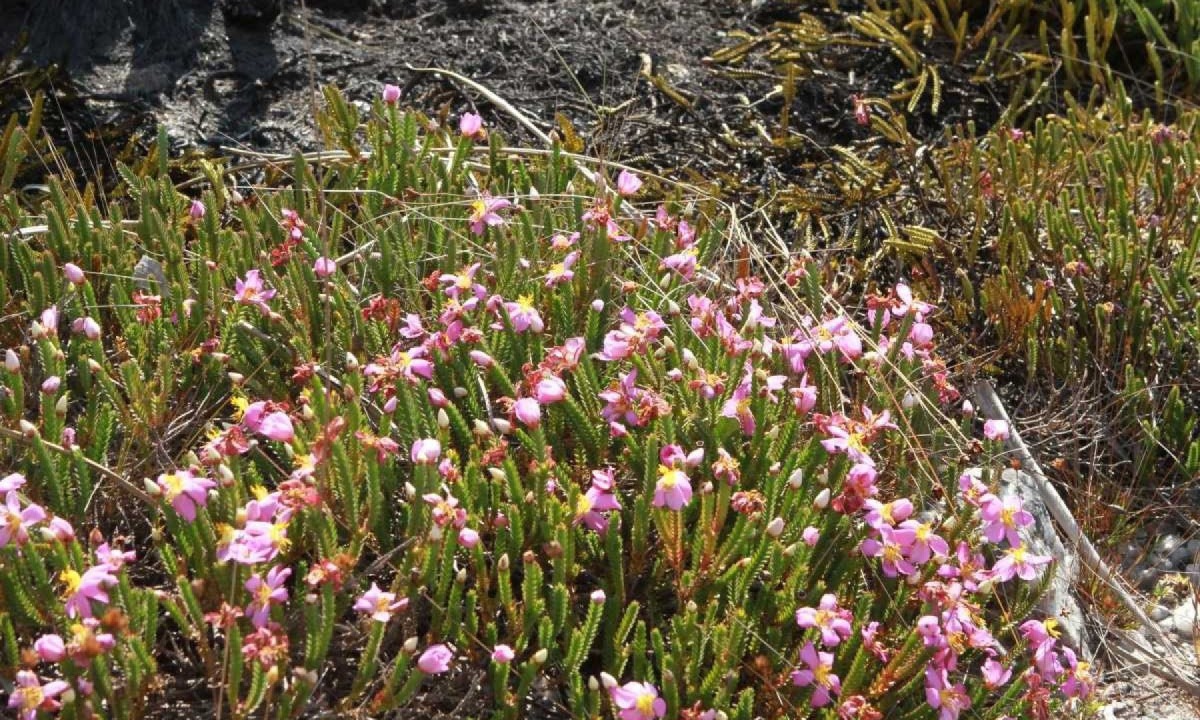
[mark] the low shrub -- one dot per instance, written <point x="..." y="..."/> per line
<point x="502" y="431"/>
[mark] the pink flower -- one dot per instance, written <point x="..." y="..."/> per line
<point x="114" y="558"/>
<point x="426" y="451"/>
<point x="82" y="590"/>
<point x="445" y="510"/>
<point x="528" y="411"/>
<point x="268" y="422"/>
<point x="391" y="94"/>
<point x="892" y="546"/>
<point x="74" y="274"/>
<point x="831" y="620"/>
<point x="673" y="489"/>
<point x="481" y="358"/>
<point x="470" y="125"/>
<point x="266" y="592"/>
<point x="995" y="430"/>
<point x="435" y="660"/>
<point x="948" y="699"/>
<point x="503" y="654"/>
<point x="638" y="701"/>
<point x="1018" y="562"/>
<point x="251" y="291"/>
<point x="1078" y="682"/>
<point x="627" y="183"/>
<point x="16" y="521"/>
<point x="197" y="210"/>
<point x="378" y="604"/>
<point x="10" y="482"/>
<point x="738" y="407"/>
<point x="185" y="492"/>
<point x="324" y="267"/>
<point x="523" y="315"/>
<point x="599" y="499"/>
<point x="50" y="648"/>
<point x="560" y="273"/>
<point x="30" y="695"/>
<point x="819" y="673"/>
<point x="892" y="513"/>
<point x="682" y="262"/>
<point x="926" y="543"/>
<point x="994" y="674"/>
<point x="484" y="212"/>
<point x="463" y="283"/>
<point x="810" y="536"/>
<point x="1003" y="518"/>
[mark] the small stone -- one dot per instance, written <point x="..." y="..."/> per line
<point x="1167" y="544"/>
<point x="1158" y="613"/>
<point x="1167" y="624"/>
<point x="1184" y="619"/>
<point x="1146" y="577"/>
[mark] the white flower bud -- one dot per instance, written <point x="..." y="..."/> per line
<point x="351" y="362"/>
<point x="909" y="401"/>
<point x="796" y="479"/>
<point x="502" y="426"/>
<point x="480" y="428"/>
<point x="497" y="474"/>
<point x="540" y="656"/>
<point x="822" y="500"/>
<point x="12" y="362"/>
<point x="460" y="392"/>
<point x="237" y="379"/>
<point x="593" y="683"/>
<point x="28" y="429"/>
<point x="443" y="420"/>
<point x="775" y="527"/>
<point x="410" y="645"/>
<point x="608" y="681"/>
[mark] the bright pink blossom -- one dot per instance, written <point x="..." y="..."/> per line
<point x="378" y="604"/>
<point x="831" y="620"/>
<point x="426" y="451"/>
<point x="1003" y="518"/>
<point x="503" y="654"/>
<point x="252" y="291"/>
<point x="265" y="419"/>
<point x="485" y="212"/>
<point x="15" y="521"/>
<point x="628" y="184"/>
<point x="30" y="695"/>
<point x="818" y="673"/>
<point x="391" y="94"/>
<point x="638" y="701"/>
<point x="266" y="592"/>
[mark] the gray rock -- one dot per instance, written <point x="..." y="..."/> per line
<point x="1167" y="544"/>
<point x="1184" y="619"/>
<point x="1158" y="613"/>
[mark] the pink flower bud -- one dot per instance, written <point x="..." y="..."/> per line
<point x="50" y="648"/>
<point x="503" y="654"/>
<point x="426" y="451"/>
<point x="435" y="660"/>
<point x="197" y="210"/>
<point x="87" y="327"/>
<point x="51" y="384"/>
<point x="810" y="536"/>
<point x="74" y="274"/>
<point x="470" y="125"/>
<point x="324" y="267"/>
<point x="468" y="538"/>
<point x="12" y="361"/>
<point x="995" y="430"/>
<point x="391" y="94"/>
<point x="528" y="412"/>
<point x="437" y="398"/>
<point x="598" y="597"/>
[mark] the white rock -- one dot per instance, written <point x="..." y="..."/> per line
<point x="1158" y="612"/>
<point x="1184" y="618"/>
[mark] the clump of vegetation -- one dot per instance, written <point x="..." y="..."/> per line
<point x="488" y="423"/>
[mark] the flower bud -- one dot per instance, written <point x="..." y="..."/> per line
<point x="909" y="401"/>
<point x="796" y="479"/>
<point x="12" y="362"/>
<point x="822" y="500"/>
<point x="593" y="683"/>
<point x="410" y="645"/>
<point x="502" y="563"/>
<point x="598" y="597"/>
<point x="502" y="426"/>
<point x="74" y="274"/>
<point x="28" y="429"/>
<point x="352" y="364"/>
<point x="60" y="405"/>
<point x="237" y="379"/>
<point x="460" y="392"/>
<point x="597" y="305"/>
<point x="480" y="428"/>
<point x="51" y="384"/>
<point x="497" y="474"/>
<point x="775" y="527"/>
<point x="539" y="657"/>
<point x="968" y="408"/>
<point x="197" y="210"/>
<point x="608" y="681"/>
<point x="443" y="419"/>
